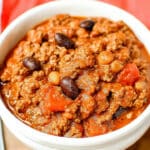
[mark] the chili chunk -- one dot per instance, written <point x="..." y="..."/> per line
<point x="77" y="76"/>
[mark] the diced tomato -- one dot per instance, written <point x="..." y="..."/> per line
<point x="129" y="75"/>
<point x="53" y="100"/>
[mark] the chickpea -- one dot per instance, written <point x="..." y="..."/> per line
<point x="140" y="85"/>
<point x="54" y="77"/>
<point x="105" y="57"/>
<point x="116" y="66"/>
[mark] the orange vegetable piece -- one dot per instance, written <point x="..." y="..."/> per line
<point x="53" y="100"/>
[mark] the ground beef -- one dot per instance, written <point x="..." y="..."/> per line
<point x="77" y="76"/>
<point x="87" y="105"/>
<point x="88" y="81"/>
<point x="76" y="131"/>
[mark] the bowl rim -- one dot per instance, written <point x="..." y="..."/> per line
<point x="64" y="140"/>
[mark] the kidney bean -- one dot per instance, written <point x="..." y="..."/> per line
<point x="64" y="41"/>
<point x="69" y="87"/>
<point x="87" y="24"/>
<point x="31" y="63"/>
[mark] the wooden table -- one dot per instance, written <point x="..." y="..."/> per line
<point x="14" y="144"/>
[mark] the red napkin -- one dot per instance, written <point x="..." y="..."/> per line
<point x="10" y="9"/>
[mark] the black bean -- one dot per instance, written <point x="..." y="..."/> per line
<point x="69" y="87"/>
<point x="31" y="63"/>
<point x="119" y="111"/>
<point x="64" y="41"/>
<point x="87" y="24"/>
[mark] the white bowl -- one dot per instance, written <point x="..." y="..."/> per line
<point x="119" y="139"/>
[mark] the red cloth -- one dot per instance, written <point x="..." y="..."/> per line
<point x="13" y="8"/>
